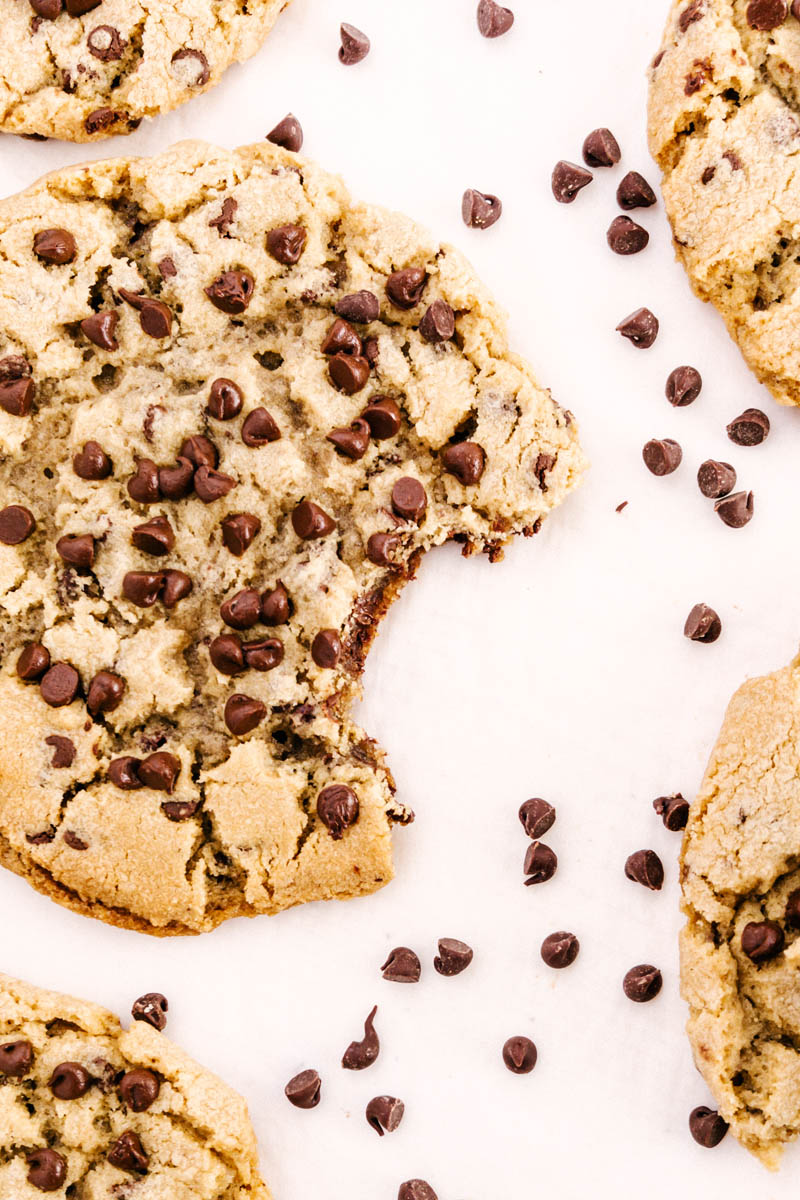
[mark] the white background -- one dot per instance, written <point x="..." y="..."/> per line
<point x="561" y="672"/>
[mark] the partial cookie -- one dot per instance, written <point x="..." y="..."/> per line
<point x="723" y="126"/>
<point x="740" y="951"/>
<point x="235" y="410"/>
<point x="90" y="1109"/>
<point x="85" y="69"/>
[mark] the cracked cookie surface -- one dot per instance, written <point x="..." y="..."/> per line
<point x="82" y="70"/>
<point x="724" y="127"/>
<point x="236" y="408"/>
<point x="90" y="1109"/>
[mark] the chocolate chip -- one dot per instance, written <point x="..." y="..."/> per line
<point x="791" y="916"/>
<point x="402" y="966"/>
<point x="139" y="1089"/>
<point x="179" y="810"/>
<point x="361" y="307"/>
<point x="601" y="149"/>
<point x="275" y="606"/>
<point x="352" y="441"/>
<point x="384" y="1114"/>
<point x="567" y="180"/>
<point x="635" y="192"/>
<point x="520" y="1055"/>
<point x="381" y="548"/>
<point x="640" y="328"/>
<point x="409" y="499"/>
<point x="707" y="1127"/>
<point x="41" y="839"/>
<point x="355" y="45"/>
<point x="231" y="292"/>
<point x="143" y="486"/>
<point x="47" y="1170"/>
<point x="383" y="416"/>
<point x="33" y="662"/>
<point x="708" y="175"/>
<point x="105" y="43"/>
<point x="480" y="210"/>
<point x="662" y="456"/>
<point x="154" y="536"/>
<point x="160" y="771"/>
<point x="177" y="585"/>
<point x="309" y="521"/>
<point x="16" y="1059"/>
<point x="227" y="215"/>
<point x="63" y="750"/>
<point x="55" y="246"/>
<point x="750" y="428"/>
<point x="200" y="451"/>
<point x="560" y="949"/>
<point x="264" y="655"/>
<point x="59" y="685"/>
<point x="76" y="549"/>
<point x="192" y="67"/>
<point x="466" y="461"/>
<point x="337" y="808"/>
<point x="124" y="772"/>
<point x="151" y="1008"/>
<point x="438" y="323"/>
<point x="127" y="1153"/>
<point x="174" y="483"/>
<point x="673" y="810"/>
<point x="167" y="268"/>
<point x="102" y="119"/>
<point x="287" y="243"/>
<point x="100" y="328"/>
<point x="493" y="19"/>
<point x="74" y="842"/>
<point x="537" y="817"/>
<point x="694" y="11"/>
<point x="303" y="1091"/>
<point x="683" y="386"/>
<point x="642" y="983"/>
<point x="105" y="692"/>
<point x="226" y="654"/>
<point x="243" y="714"/>
<point x="259" y="427"/>
<point x="702" y="625"/>
<point x="16" y="396"/>
<point x="326" y="649"/>
<point x="762" y="940"/>
<point x="76" y="8"/>
<point x="154" y="316"/>
<point x="92" y="462"/>
<point x="17" y="523"/>
<point x="735" y="510"/>
<point x="69" y="1081"/>
<point x="238" y="531"/>
<point x="716" y="479"/>
<point x="404" y="288"/>
<point x="225" y="400"/>
<point x="348" y="374"/>
<point x="540" y="865"/>
<point x="242" y="610"/>
<point x="766" y="14"/>
<point x="360" y="1055"/>
<point x="143" y="588"/>
<point x="341" y="337"/>
<point x="211" y="485"/>
<point x="625" y="237"/>
<point x="287" y="133"/>
<point x="47" y="9"/>
<point x="416" y="1189"/>
<point x="453" y="957"/>
<point x="646" y="868"/>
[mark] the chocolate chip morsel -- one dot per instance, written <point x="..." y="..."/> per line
<point x="242" y="610"/>
<point x="480" y="210"/>
<point x="259" y="427"/>
<point x="381" y="548"/>
<point x="466" y="461"/>
<point x="309" y="521"/>
<point x="453" y="957"/>
<point x="791" y="916"/>
<point x="716" y="479"/>
<point x="673" y="810"/>
<point x="100" y="329"/>
<point x="231" y="292"/>
<point x="69" y="1081"/>
<point x="438" y="323"/>
<point x="355" y="45"/>
<point x="128" y="1154"/>
<point x="55" y="246"/>
<point x="151" y="1008"/>
<point x="735" y="510"/>
<point x="702" y="624"/>
<point x="384" y="1113"/>
<point x="226" y="654"/>
<point x="326" y="649"/>
<point x="63" y="750"/>
<point x="750" y="428"/>
<point x="635" y="192"/>
<point x="625" y="237"/>
<point x="154" y="316"/>
<point x="409" y="499"/>
<point x="541" y="863"/>
<point x="143" y="486"/>
<point x="351" y="441"/>
<point x="662" y="456"/>
<point x="537" y="817"/>
<point x="276" y="607"/>
<point x="76" y="549"/>
<point x="92" y="462"/>
<point x="16" y="394"/>
<point x="211" y="485"/>
<point x="416" y="1189"/>
<point x="304" y="1090"/>
<point x="160" y="771"/>
<point x="243" y="714"/>
<point x="383" y="416"/>
<point x="104" y="42"/>
<point x="154" y="537"/>
<point x="765" y="15"/>
<point x="684" y="385"/>
<point x="707" y="1127"/>
<point x="59" y="685"/>
<point x="264" y="655"/>
<point x="287" y="243"/>
<point x="404" y="288"/>
<point x="337" y="808"/>
<point x="348" y="373"/>
<point x="199" y="450"/>
<point x="33" y="662"/>
<point x="642" y="983"/>
<point x="601" y="149"/>
<point x="47" y="1170"/>
<point x="520" y="1055"/>
<point x="105" y="692"/>
<point x="762" y="940"/>
<point x="560" y="949"/>
<point x="646" y="868"/>
<point x="493" y="19"/>
<point x="567" y="180"/>
<point x="17" y="523"/>
<point x="360" y="307"/>
<point x="190" y="67"/>
<point x="238" y="531"/>
<point x="139" y="1089"/>
<point x="360" y="1055"/>
<point x="16" y="1059"/>
<point x="402" y="966"/>
<point x="640" y="328"/>
<point x="124" y="772"/>
<point x="287" y="133"/>
<point x="225" y="400"/>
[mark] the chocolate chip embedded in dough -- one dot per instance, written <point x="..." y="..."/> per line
<point x="59" y="685"/>
<point x="466" y="461"/>
<point x="351" y="441"/>
<point x="160" y="771"/>
<point x="70" y="1081"/>
<point x="100" y="328"/>
<point x="143" y="588"/>
<point x="143" y="485"/>
<point x="309" y="521"/>
<point x="33" y="662"/>
<point x="243" y="714"/>
<point x="226" y="654"/>
<point x="381" y="549"/>
<point x="105" y="692"/>
<point x="231" y="292"/>
<point x="211" y="485"/>
<point x="225" y="400"/>
<point x="361" y="307"/>
<point x="238" y="532"/>
<point x="55" y="246"/>
<point x="383" y="416"/>
<point x="276" y="606"/>
<point x="92" y="462"/>
<point x="76" y="549"/>
<point x="242" y="610"/>
<point x="124" y="772"/>
<point x="326" y="649"/>
<point x="128" y="1154"/>
<point x="287" y="243"/>
<point x="17" y="523"/>
<point x="337" y="808"/>
<point x="105" y="43"/>
<point x="348" y="374"/>
<point x="176" y="482"/>
<point x="177" y="585"/>
<point x="47" y="1169"/>
<point x="259" y="427"/>
<point x="264" y="655"/>
<point x="341" y="338"/>
<point x="439" y="323"/>
<point x="63" y="750"/>
<point x="190" y="67"/>
<point x="16" y="396"/>
<point x="16" y="1058"/>
<point x="404" y="288"/>
<point x="139" y="1089"/>
<point x="155" y="536"/>
<point x="409" y="499"/>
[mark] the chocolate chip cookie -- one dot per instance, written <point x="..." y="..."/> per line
<point x="724" y="127"/>
<point x="86" y="69"/>
<point x="236" y="408"/>
<point x="88" y="1108"/>
<point x="741" y="891"/>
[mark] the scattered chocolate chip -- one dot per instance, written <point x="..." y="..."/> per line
<point x="750" y="428"/>
<point x="154" y="316"/>
<point x="287" y="243"/>
<point x="453" y="957"/>
<point x="409" y="499"/>
<point x="416" y="1189"/>
<point x="160" y="771"/>
<point x="493" y="19"/>
<point x="341" y="337"/>
<point x="211" y="485"/>
<point x="16" y="396"/>
<point x="384" y="1114"/>
<point x="143" y="485"/>
<point x="707" y="1127"/>
<point x="404" y="288"/>
<point x="59" y="685"/>
<point x="402" y="966"/>
<point x="92" y="462"/>
<point x="17" y="523"/>
<point x="702" y="625"/>
<point x="355" y="45"/>
<point x="105" y="692"/>
<point x="63" y="750"/>
<point x="226" y="654"/>
<point x="520" y="1055"/>
<point x="225" y="218"/>
<point x="646" y="868"/>
<point x="662" y="456"/>
<point x="167" y="268"/>
<point x="124" y="772"/>
<point x="154" y="536"/>
<point x="683" y="386"/>
<point x="242" y="610"/>
<point x="127" y="1153"/>
<point x="601" y="149"/>
<point x="69" y="1081"/>
<point x="139" y="1089"/>
<point x="466" y="461"/>
<point x="100" y="329"/>
<point x="351" y="441"/>
<point x="349" y="374"/>
<point x="640" y="328"/>
<point x="225" y="400"/>
<point x="791" y="916"/>
<point x="762" y="940"/>
<point x="151" y="1008"/>
<point x="381" y="548"/>
<point x="243" y="714"/>
<point x="541" y="863"/>
<point x="174" y="483"/>
<point x="76" y="8"/>
<point x="567" y="180"/>
<point x="200" y="451"/>
<point x="143" y="588"/>
<point x="238" y="531"/>
<point x="41" y="839"/>
<point x="560" y="949"/>
<point x="47" y="1170"/>
<point x="231" y="292"/>
<point x="735" y="510"/>
<point x="105" y="43"/>
<point x="76" y="549"/>
<point x="708" y="175"/>
<point x="625" y="237"/>
<point x="74" y="842"/>
<point x="716" y="479"/>
<point x="179" y="810"/>
<point x="177" y="585"/>
<point x="673" y="810"/>
<point x="337" y="808"/>
<point x="309" y="521"/>
<point x="259" y="427"/>
<point x="438" y="323"/>
<point x="55" y="246"/>
<point x="326" y="649"/>
<point x="635" y="192"/>
<point x="642" y="983"/>
<point x="16" y="1059"/>
<point x="191" y="67"/>
<point x="360" y="1055"/>
<point x="480" y="210"/>
<point x="360" y="307"/>
<point x="383" y="416"/>
<point x="766" y="14"/>
<point x="537" y="817"/>
<point x="287" y="133"/>
<point x="265" y="655"/>
<point x="303" y="1091"/>
<point x="48" y="10"/>
<point x="275" y="606"/>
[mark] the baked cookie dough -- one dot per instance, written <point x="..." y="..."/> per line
<point x="724" y="128"/>
<point x="740" y="950"/>
<point x="236" y="408"/>
<point x="85" y="69"/>
<point x="88" y="1108"/>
